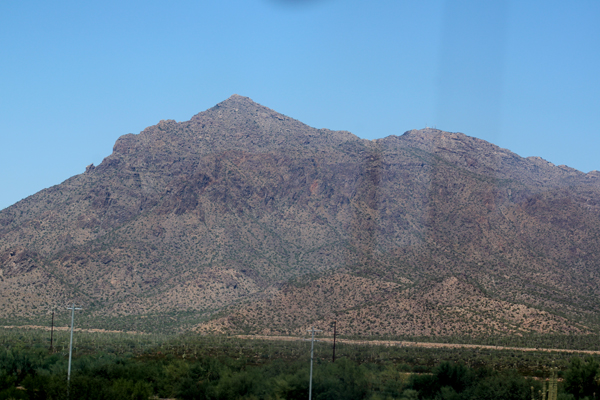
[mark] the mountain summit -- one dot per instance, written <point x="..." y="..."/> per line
<point x="245" y="220"/>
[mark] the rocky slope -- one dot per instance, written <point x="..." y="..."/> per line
<point x="243" y="219"/>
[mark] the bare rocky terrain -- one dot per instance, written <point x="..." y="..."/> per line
<point x="243" y="220"/>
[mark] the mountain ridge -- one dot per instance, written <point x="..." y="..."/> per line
<point x="242" y="203"/>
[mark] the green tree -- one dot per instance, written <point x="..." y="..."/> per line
<point x="506" y="386"/>
<point x="582" y="378"/>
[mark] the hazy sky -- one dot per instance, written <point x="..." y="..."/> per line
<point x="75" y="75"/>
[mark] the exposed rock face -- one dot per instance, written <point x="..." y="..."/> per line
<point x="430" y="232"/>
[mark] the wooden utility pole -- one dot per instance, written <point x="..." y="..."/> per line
<point x="334" y="326"/>
<point x="52" y="332"/>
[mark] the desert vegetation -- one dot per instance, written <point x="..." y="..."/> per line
<point x="141" y="366"/>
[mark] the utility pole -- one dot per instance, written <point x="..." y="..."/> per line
<point x="52" y="332"/>
<point x="334" y="326"/>
<point x="73" y="308"/>
<point x="312" y="347"/>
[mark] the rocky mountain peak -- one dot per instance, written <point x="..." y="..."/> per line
<point x="239" y="101"/>
<point x="237" y="106"/>
<point x="431" y="139"/>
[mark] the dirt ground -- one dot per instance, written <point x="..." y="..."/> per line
<point x="345" y="341"/>
<point x="66" y="328"/>
<point x="415" y="344"/>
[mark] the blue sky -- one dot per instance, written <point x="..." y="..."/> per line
<point x="77" y="75"/>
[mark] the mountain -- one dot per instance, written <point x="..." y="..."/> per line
<point x="245" y="220"/>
